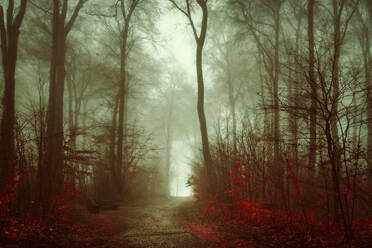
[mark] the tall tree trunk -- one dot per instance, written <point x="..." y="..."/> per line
<point x="54" y="150"/>
<point x="200" y="105"/>
<point x="336" y="156"/>
<point x="112" y="157"/>
<point x="340" y="204"/>
<point x="71" y="118"/>
<point x="122" y="90"/>
<point x="313" y="86"/>
<point x="200" y="39"/>
<point x="9" y="34"/>
<point x="122" y="99"/>
<point x="368" y="69"/>
<point x="294" y="92"/>
<point x="365" y="44"/>
<point x="267" y="148"/>
<point x="367" y="59"/>
<point x="40" y="132"/>
<point x="278" y="170"/>
<point x="52" y="174"/>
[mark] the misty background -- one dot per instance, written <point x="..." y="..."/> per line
<point x="133" y="99"/>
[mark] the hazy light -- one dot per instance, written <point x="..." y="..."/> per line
<point x="179" y="48"/>
<point x="179" y="43"/>
<point x="180" y="169"/>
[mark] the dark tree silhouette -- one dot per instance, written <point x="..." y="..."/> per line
<point x="51" y="174"/>
<point x="9" y="34"/>
<point x="200" y="40"/>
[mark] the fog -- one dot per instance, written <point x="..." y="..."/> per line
<point x="180" y="169"/>
<point x="251" y="107"/>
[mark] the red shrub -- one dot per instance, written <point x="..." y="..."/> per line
<point x="304" y="226"/>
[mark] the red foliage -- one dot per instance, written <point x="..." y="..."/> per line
<point x="290" y="228"/>
<point x="10" y="228"/>
<point x="19" y="229"/>
<point x="62" y="224"/>
<point x="203" y="232"/>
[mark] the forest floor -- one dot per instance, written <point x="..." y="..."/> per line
<point x="144" y="224"/>
<point x="175" y="222"/>
<point x="161" y="223"/>
<point x="154" y="224"/>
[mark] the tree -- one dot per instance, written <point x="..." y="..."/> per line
<point x="312" y="83"/>
<point x="364" y="37"/>
<point x="200" y="40"/>
<point x="230" y="66"/>
<point x="293" y="51"/>
<point x="333" y="115"/>
<point x="270" y="48"/>
<point x="127" y="12"/>
<point x="51" y="180"/>
<point x="9" y="34"/>
<point x="126" y="26"/>
<point x="124" y="11"/>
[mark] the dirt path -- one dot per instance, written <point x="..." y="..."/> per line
<point x="154" y="225"/>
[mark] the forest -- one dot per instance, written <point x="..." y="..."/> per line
<point x="186" y="123"/>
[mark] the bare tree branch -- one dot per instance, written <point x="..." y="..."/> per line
<point x="187" y="13"/>
<point x="21" y="13"/>
<point x="41" y="8"/>
<point x="74" y="15"/>
<point x="4" y="45"/>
